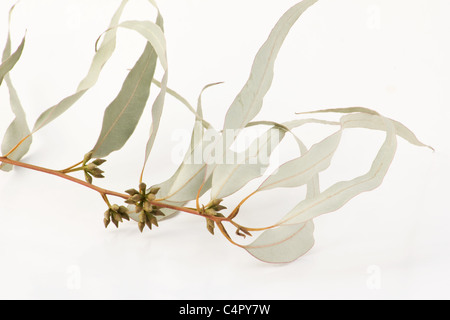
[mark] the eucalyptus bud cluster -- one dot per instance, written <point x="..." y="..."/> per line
<point x="212" y="209"/>
<point x="116" y="214"/>
<point x="92" y="169"/>
<point x="142" y="200"/>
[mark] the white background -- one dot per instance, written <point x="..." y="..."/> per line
<point x="392" y="243"/>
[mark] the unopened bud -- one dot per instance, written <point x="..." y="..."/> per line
<point x="142" y="187"/>
<point x="210" y="212"/>
<point x="99" y="162"/>
<point x="214" y="203"/>
<point x="147" y="207"/>
<point x="154" y="190"/>
<point x="90" y="167"/>
<point x="132" y="192"/>
<point x="96" y="172"/>
<point x="136" y="197"/>
<point x="142" y="217"/>
<point x="151" y="197"/>
<point x="87" y="157"/>
<point x="88" y="178"/>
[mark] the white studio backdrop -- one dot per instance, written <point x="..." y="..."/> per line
<point x="391" y="56"/>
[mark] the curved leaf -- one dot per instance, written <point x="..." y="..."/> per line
<point x="184" y="184"/>
<point x="154" y="35"/>
<point x="287" y="243"/>
<point x="152" y="32"/>
<point x="102" y="55"/>
<point x="183" y="100"/>
<point x="247" y="165"/>
<point x="123" y="114"/>
<point x="401" y="129"/>
<point x="18" y="129"/>
<point x="283" y="244"/>
<point x="249" y="101"/>
<point x="10" y="61"/>
<point x="340" y="193"/>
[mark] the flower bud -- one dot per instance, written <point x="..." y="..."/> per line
<point x="151" y="197"/>
<point x="142" y="187"/>
<point x="154" y="190"/>
<point x="147" y="207"/>
<point x="99" y="162"/>
<point x="132" y="192"/>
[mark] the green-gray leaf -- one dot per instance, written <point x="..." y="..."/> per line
<point x="123" y="114"/>
<point x="340" y="193"/>
<point x="11" y="61"/>
<point x="249" y="101"/>
<point x="374" y="124"/>
<point x="287" y="243"/>
<point x="18" y="129"/>
<point x="283" y="244"/>
<point x="229" y="178"/>
<point x="102" y="55"/>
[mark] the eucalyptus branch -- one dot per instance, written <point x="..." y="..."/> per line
<point x="102" y="191"/>
<point x="284" y="241"/>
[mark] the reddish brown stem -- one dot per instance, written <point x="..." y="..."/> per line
<point x="98" y="189"/>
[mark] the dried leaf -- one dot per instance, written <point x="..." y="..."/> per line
<point x="102" y="55"/>
<point x="401" y="129"/>
<point x="246" y="166"/>
<point x="184" y="184"/>
<point x="229" y="178"/>
<point x="287" y="243"/>
<point x="299" y="171"/>
<point x="154" y="35"/>
<point x="283" y="244"/>
<point x="249" y="101"/>
<point x="18" y="129"/>
<point x="123" y="114"/>
<point x="183" y="100"/>
<point x="10" y="61"/>
<point x="340" y="193"/>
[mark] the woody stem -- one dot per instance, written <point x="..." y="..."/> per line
<point x="102" y="191"/>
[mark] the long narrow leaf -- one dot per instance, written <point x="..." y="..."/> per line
<point x="340" y="193"/>
<point x="374" y="124"/>
<point x="283" y="244"/>
<point x="249" y="101"/>
<point x="229" y="178"/>
<point x="245" y="166"/>
<point x="299" y="171"/>
<point x="184" y="184"/>
<point x="18" y="129"/>
<point x="294" y="237"/>
<point x="11" y="60"/>
<point x="154" y="35"/>
<point x="102" y="55"/>
<point x="123" y="114"/>
<point x="287" y="243"/>
<point x="183" y="100"/>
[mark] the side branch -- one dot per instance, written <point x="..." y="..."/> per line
<point x="102" y="191"/>
<point x="63" y="176"/>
